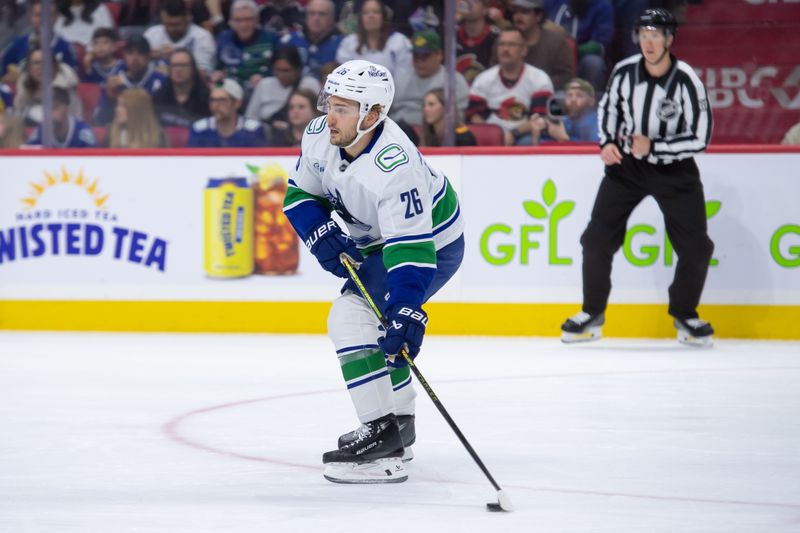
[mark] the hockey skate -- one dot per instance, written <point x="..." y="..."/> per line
<point x="374" y="456"/>
<point x="407" y="433"/>
<point x="582" y="327"/>
<point x="694" y="332"/>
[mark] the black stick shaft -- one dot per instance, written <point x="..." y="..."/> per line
<point x="349" y="265"/>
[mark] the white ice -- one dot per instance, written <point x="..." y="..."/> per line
<point x="160" y="433"/>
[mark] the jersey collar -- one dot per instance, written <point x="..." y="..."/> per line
<point x="377" y="133"/>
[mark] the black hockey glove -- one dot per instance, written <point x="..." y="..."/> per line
<point x="406" y="327"/>
<point x="326" y="243"/>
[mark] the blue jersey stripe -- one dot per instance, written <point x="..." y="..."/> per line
<point x="402" y="384"/>
<point x="440" y="193"/>
<point x="449" y="222"/>
<point x="420" y="237"/>
<point x="356" y="348"/>
<point x="368" y="379"/>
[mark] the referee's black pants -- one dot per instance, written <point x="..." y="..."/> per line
<point x="677" y="189"/>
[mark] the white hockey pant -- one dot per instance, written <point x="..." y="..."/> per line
<point x="375" y="388"/>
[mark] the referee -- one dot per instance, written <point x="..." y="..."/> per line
<point x="652" y="119"/>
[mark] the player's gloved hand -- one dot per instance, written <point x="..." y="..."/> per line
<point x="406" y="327"/>
<point x="326" y="243"/>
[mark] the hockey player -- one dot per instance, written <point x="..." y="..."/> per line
<point x="653" y="119"/>
<point x="404" y="225"/>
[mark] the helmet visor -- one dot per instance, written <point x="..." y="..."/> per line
<point x="339" y="106"/>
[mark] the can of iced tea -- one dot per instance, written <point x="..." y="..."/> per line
<point x="228" y="228"/>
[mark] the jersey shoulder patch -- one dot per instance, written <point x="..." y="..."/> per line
<point x="316" y="126"/>
<point x="251" y="125"/>
<point x="391" y="157"/>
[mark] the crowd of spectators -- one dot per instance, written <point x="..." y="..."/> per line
<point x="214" y="73"/>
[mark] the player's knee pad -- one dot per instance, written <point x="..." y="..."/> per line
<point x="352" y="325"/>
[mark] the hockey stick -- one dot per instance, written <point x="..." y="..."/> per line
<point x="503" y="501"/>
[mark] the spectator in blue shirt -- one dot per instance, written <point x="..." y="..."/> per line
<point x="319" y="41"/>
<point x="591" y="23"/>
<point x="580" y="122"/>
<point x="100" y="63"/>
<point x="225" y="128"/>
<point x="245" y="52"/>
<point x="68" y="131"/>
<point x="14" y="56"/>
<point x="136" y="71"/>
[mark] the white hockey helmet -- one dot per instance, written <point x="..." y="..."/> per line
<point x="364" y="82"/>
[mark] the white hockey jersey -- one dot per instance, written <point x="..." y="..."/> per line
<point x="389" y="197"/>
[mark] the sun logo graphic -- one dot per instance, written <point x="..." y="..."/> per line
<point x="90" y="187"/>
<point x="75" y="223"/>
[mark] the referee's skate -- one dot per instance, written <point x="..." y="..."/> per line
<point x="582" y="327"/>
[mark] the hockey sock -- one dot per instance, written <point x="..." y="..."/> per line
<point x="404" y="392"/>
<point x="368" y="383"/>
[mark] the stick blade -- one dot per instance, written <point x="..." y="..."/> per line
<point x="503" y="503"/>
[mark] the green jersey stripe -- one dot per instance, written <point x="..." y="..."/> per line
<point x="296" y="195"/>
<point x="399" y="375"/>
<point x="418" y="252"/>
<point x="445" y="207"/>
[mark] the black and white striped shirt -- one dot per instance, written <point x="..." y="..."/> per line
<point x="672" y="111"/>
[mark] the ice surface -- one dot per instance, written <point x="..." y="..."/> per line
<point x="224" y="433"/>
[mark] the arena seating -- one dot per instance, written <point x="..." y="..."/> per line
<point x="746" y="53"/>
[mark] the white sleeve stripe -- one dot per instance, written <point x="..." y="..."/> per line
<point x="418" y="265"/>
<point x="295" y="204"/>
<point x="411" y="241"/>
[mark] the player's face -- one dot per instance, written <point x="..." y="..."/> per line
<point x="342" y="120"/>
<point x="432" y="109"/>
<point x="652" y="43"/>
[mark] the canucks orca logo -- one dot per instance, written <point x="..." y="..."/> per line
<point x="667" y="109"/>
<point x="339" y="207"/>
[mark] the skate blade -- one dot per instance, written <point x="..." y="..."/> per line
<point x="698" y="342"/>
<point x="381" y="471"/>
<point x="591" y="334"/>
<point x="408" y="454"/>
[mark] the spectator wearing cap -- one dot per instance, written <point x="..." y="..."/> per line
<point x="591" y="24"/>
<point x="269" y="103"/>
<point x="507" y="93"/>
<point x="13" y="60"/>
<point x="428" y="73"/>
<point x="136" y="71"/>
<point x="177" y="31"/>
<point x="183" y="99"/>
<point x="547" y="47"/>
<point x="320" y="39"/>
<point x="578" y="125"/>
<point x="475" y="39"/>
<point x="245" y="51"/>
<point x="375" y="41"/>
<point x="225" y="128"/>
<point x="68" y="131"/>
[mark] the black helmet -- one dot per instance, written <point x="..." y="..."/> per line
<point x="658" y="18"/>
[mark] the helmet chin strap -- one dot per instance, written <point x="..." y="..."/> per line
<point x="359" y="132"/>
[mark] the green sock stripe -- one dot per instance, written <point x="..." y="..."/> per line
<point x="399" y="375"/>
<point x="362" y="363"/>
